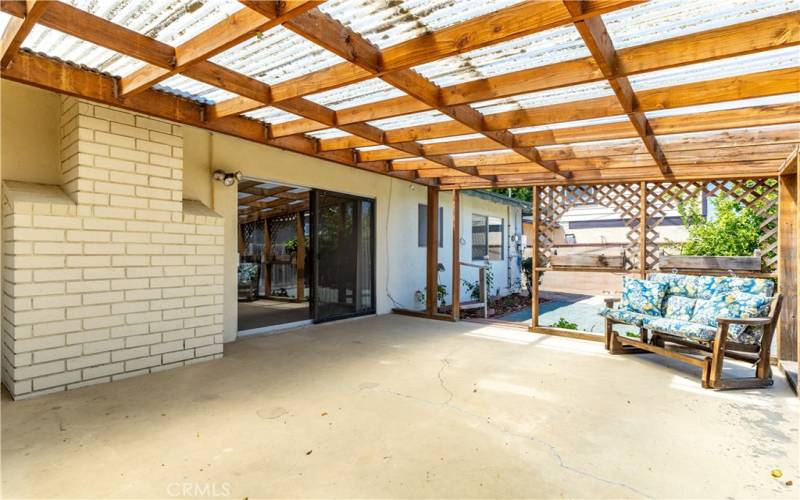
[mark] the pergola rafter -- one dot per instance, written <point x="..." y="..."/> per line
<point x="730" y="41"/>
<point x="498" y="157"/>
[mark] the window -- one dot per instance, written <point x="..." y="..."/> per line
<point x="487" y="238"/>
<point x="422" y="226"/>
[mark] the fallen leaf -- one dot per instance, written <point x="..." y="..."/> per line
<point x="776" y="473"/>
<point x="324" y="413"/>
<point x="309" y="452"/>
<point x="789" y="483"/>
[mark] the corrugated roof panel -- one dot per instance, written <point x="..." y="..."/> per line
<point x="578" y="123"/>
<point x="721" y="106"/>
<point x="195" y="90"/>
<point x="272" y="115"/>
<point x="68" y="48"/>
<point x="414" y="119"/>
<point x="169" y="21"/>
<point x="4" y="18"/>
<point x="328" y="133"/>
<point x="539" y="49"/>
<point x="661" y="19"/>
<point x="372" y="148"/>
<point x="276" y="55"/>
<point x="544" y="98"/>
<point x="721" y="68"/>
<point x="389" y="22"/>
<point x="366" y="92"/>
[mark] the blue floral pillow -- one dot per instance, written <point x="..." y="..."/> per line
<point x="643" y="296"/>
<point x="677" y="307"/>
<point x="730" y="305"/>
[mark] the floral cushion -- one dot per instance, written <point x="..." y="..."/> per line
<point x="642" y="296"/>
<point x="693" y="287"/>
<point x="247" y="272"/>
<point x="705" y="287"/>
<point x="730" y="305"/>
<point x="685" y="329"/>
<point x="623" y="316"/>
<point x="677" y="307"/>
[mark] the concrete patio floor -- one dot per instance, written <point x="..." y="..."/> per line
<point x="392" y="406"/>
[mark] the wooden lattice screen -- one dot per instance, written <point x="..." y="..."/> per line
<point x="625" y="199"/>
<point x="555" y="201"/>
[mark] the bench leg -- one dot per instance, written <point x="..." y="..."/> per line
<point x="643" y="335"/>
<point x="718" y="356"/>
<point x="615" y="347"/>
<point x="609" y="332"/>
<point x="706" y="376"/>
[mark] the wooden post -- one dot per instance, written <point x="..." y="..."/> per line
<point x="455" y="291"/>
<point x="643" y="230"/>
<point x="787" y="266"/>
<point x="301" y="256"/>
<point x="267" y="255"/>
<point x="433" y="249"/>
<point x="535" y="257"/>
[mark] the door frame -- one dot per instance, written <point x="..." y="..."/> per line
<point x="314" y="274"/>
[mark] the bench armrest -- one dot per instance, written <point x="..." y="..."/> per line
<point x="745" y="321"/>
<point x="611" y="300"/>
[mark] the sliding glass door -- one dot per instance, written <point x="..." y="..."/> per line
<point x="343" y="246"/>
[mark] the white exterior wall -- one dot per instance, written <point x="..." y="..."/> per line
<point x="109" y="275"/>
<point x="400" y="262"/>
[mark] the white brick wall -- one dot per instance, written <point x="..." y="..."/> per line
<point x="111" y="274"/>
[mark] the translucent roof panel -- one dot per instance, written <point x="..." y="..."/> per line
<point x="193" y="89"/>
<point x="578" y="123"/>
<point x="721" y="68"/>
<point x="68" y="48"/>
<point x="544" y="98"/>
<point x="721" y="106"/>
<point x="412" y="120"/>
<point x="366" y="92"/>
<point x="4" y="18"/>
<point x="372" y="148"/>
<point x="272" y="115"/>
<point x="276" y="55"/>
<point x="389" y="22"/>
<point x="169" y="21"/>
<point x="661" y="19"/>
<point x="539" y="49"/>
<point x="328" y="133"/>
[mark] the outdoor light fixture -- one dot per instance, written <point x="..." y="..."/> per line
<point x="228" y="179"/>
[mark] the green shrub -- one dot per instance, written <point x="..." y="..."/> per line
<point x="735" y="229"/>
<point x="565" y="324"/>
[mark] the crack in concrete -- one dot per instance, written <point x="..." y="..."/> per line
<point x="551" y="448"/>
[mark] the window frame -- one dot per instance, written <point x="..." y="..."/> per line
<point x="486" y="232"/>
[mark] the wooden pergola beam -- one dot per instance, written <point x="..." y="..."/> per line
<point x="18" y="29"/>
<point x="598" y="41"/>
<point x="356" y="49"/>
<point x="729" y="41"/>
<point x="761" y="84"/>
<point x="506" y="24"/>
<point x="605" y="176"/>
<point x="67" y="79"/>
<point x="233" y="30"/>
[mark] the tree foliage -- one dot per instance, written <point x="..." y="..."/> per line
<point x="735" y="229"/>
<point x="518" y="193"/>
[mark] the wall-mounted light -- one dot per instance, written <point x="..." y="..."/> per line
<point x="228" y="179"/>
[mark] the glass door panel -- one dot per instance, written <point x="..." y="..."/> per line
<point x="343" y="249"/>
